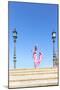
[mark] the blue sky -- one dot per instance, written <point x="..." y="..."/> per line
<point x="34" y="23"/>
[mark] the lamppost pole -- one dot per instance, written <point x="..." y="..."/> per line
<point x="14" y="37"/>
<point x="54" y="54"/>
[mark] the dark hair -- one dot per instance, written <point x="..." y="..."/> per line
<point x="35" y="48"/>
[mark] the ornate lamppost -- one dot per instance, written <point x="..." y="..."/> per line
<point x="14" y="37"/>
<point x="54" y="53"/>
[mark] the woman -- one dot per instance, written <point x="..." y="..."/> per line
<point x="37" y="61"/>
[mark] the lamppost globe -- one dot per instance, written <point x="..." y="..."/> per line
<point x="14" y="34"/>
<point x="53" y="35"/>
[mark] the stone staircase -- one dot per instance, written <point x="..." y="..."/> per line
<point x="33" y="77"/>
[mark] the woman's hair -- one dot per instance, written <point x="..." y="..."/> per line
<point x="35" y="48"/>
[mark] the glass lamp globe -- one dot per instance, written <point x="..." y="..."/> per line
<point x="53" y="34"/>
<point x="15" y="34"/>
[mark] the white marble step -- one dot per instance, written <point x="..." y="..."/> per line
<point x="33" y="83"/>
<point x="32" y="70"/>
<point x="36" y="76"/>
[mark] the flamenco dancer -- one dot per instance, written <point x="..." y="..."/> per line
<point x="37" y="60"/>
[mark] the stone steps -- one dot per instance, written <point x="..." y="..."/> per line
<point x="33" y="77"/>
